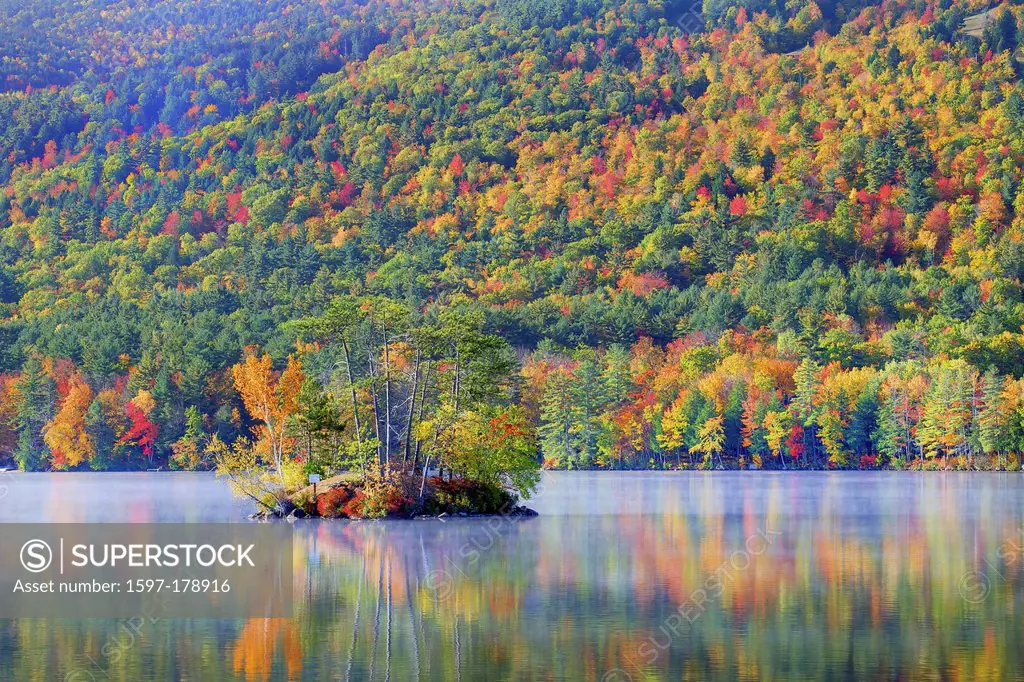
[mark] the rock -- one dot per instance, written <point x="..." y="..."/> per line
<point x="283" y="507"/>
<point x="524" y="512"/>
<point x="297" y="514"/>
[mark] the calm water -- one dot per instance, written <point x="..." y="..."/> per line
<point x="624" y="577"/>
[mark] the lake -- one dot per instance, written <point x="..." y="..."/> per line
<point x="624" y="577"/>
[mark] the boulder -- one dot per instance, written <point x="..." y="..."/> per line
<point x="283" y="507"/>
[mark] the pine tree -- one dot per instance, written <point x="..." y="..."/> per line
<point x="864" y="420"/>
<point x="617" y="375"/>
<point x="946" y="415"/>
<point x="753" y="432"/>
<point x="589" y="395"/>
<point x="991" y="417"/>
<point x="742" y="153"/>
<point x="1014" y="108"/>
<point x="732" y="418"/>
<point x="768" y="163"/>
<point x="35" y="407"/>
<point x="559" y="416"/>
<point x="807" y="379"/>
<point x="881" y="163"/>
<point x="99" y="422"/>
<point x="916" y="199"/>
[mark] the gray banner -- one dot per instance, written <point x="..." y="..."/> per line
<point x="153" y="571"/>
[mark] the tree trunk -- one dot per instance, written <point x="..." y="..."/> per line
<point x="456" y="384"/>
<point x="387" y="397"/>
<point x="419" y="417"/>
<point x="412" y="410"/>
<point x="352" y="390"/>
<point x="376" y="412"/>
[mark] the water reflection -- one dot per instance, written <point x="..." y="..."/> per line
<point x="624" y="577"/>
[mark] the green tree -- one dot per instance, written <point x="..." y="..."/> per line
<point x="497" y="445"/>
<point x="992" y="417"/>
<point x="588" y="393"/>
<point x="559" y="415"/>
<point x="36" y="399"/>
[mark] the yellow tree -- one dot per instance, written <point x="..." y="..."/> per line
<point x="837" y="400"/>
<point x="777" y="425"/>
<point x="65" y="434"/>
<point x="8" y="413"/>
<point x="710" y="440"/>
<point x="270" y="399"/>
<point x="674" y="423"/>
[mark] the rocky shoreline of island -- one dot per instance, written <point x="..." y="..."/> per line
<point x="346" y="497"/>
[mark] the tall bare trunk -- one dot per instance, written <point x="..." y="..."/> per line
<point x="419" y="417"/>
<point x="387" y="396"/>
<point x="412" y="410"/>
<point x="456" y="382"/>
<point x="376" y="411"/>
<point x="352" y="390"/>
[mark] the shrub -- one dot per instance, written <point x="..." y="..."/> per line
<point x="294" y="475"/>
<point x="383" y="493"/>
<point x="397" y="502"/>
<point x="466" y="495"/>
<point x="354" y="507"/>
<point x="306" y="503"/>
<point x="331" y="503"/>
<point x="377" y="502"/>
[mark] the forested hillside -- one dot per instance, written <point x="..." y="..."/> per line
<point x="659" y="234"/>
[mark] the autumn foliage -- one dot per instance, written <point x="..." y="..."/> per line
<point x="840" y="186"/>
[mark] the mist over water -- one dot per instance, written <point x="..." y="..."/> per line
<point x="624" y="576"/>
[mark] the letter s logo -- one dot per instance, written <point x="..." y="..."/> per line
<point x="36" y="556"/>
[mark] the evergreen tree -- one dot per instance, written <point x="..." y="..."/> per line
<point x="881" y="163"/>
<point x="616" y="375"/>
<point x="588" y="393"/>
<point x="35" y="407"/>
<point x="864" y="419"/>
<point x="560" y="416"/>
<point x="992" y="426"/>
<point x="807" y="379"/>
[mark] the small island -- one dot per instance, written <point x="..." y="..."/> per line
<point x="401" y="496"/>
<point x="378" y="491"/>
<point x="412" y="420"/>
<point x="488" y="478"/>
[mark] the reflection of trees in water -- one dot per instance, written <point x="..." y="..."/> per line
<point x="263" y="640"/>
<point x="841" y="584"/>
<point x="833" y="590"/>
<point x="855" y="586"/>
<point x="370" y="584"/>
